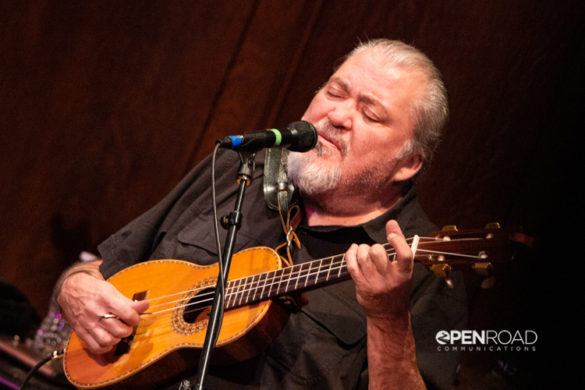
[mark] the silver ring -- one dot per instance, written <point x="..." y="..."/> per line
<point x="110" y="315"/>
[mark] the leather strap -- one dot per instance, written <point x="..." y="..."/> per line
<point x="279" y="196"/>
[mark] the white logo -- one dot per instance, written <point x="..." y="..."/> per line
<point x="443" y="337"/>
<point x="484" y="340"/>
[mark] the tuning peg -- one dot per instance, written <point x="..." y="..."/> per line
<point x="493" y="226"/>
<point x="443" y="271"/>
<point x="488" y="282"/>
<point x="485" y="269"/>
<point x="450" y="228"/>
<point x="448" y="282"/>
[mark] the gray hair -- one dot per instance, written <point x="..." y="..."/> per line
<point x="431" y="111"/>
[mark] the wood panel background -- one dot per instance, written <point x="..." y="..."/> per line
<point x="105" y="105"/>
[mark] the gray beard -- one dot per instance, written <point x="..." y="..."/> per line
<point x="309" y="176"/>
<point x="304" y="169"/>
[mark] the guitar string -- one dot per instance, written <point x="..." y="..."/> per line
<point x="253" y="289"/>
<point x="252" y="286"/>
<point x="244" y="287"/>
<point x="181" y="293"/>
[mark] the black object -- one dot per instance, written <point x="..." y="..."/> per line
<point x="17" y="316"/>
<point x="298" y="136"/>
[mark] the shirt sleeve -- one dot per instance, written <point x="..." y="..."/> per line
<point x="435" y="307"/>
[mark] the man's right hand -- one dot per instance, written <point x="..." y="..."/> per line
<point x="84" y="299"/>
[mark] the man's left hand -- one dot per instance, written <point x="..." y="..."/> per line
<point x="382" y="285"/>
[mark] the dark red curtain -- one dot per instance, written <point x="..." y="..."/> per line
<point x="105" y="105"/>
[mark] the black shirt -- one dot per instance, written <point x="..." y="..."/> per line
<point x="324" y="344"/>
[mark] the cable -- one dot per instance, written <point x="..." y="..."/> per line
<point x="218" y="244"/>
<point x="56" y="354"/>
<point x="215" y="225"/>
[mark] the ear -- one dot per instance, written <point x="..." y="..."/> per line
<point x="408" y="168"/>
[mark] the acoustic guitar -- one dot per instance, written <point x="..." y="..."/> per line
<point x="171" y="334"/>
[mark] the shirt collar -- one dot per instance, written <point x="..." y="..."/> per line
<point x="374" y="228"/>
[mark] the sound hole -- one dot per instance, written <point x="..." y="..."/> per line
<point x="199" y="306"/>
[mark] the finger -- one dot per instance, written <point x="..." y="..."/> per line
<point x="98" y="340"/>
<point x="393" y="227"/>
<point x="364" y="261"/>
<point x="104" y="338"/>
<point x="351" y="261"/>
<point x="115" y="327"/>
<point x="124" y="309"/>
<point x="379" y="258"/>
<point x="88" y="340"/>
<point x="140" y="306"/>
<point x="121" y="327"/>
<point x="398" y="242"/>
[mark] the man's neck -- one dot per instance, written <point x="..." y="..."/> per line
<point x="347" y="211"/>
<point x="316" y="218"/>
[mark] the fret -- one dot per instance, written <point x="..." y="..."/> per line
<point x="304" y="272"/>
<point x="272" y="274"/>
<point x="308" y="273"/>
<point x="242" y="288"/>
<point x="251" y="287"/>
<point x="289" y="277"/>
<point x="298" y="273"/>
<point x="341" y="266"/>
<point x="230" y="292"/>
<point x="278" y="274"/>
<point x="263" y="282"/>
<point x="260" y="287"/>
<point x="318" y="272"/>
<point x="251" y="284"/>
<point x="277" y="280"/>
<point x="330" y="266"/>
<point x="239" y="291"/>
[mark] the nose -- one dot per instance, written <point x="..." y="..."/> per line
<point x="341" y="115"/>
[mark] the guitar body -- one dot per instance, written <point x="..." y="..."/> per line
<point x="169" y="340"/>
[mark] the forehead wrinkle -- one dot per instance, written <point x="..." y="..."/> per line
<point x="341" y="82"/>
<point x="362" y="97"/>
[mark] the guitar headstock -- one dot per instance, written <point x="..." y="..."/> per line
<point x="450" y="248"/>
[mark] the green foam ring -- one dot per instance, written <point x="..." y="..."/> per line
<point x="278" y="137"/>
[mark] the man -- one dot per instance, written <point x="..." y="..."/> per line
<point x="378" y="118"/>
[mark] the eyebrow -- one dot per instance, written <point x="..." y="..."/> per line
<point x="365" y="98"/>
<point x="339" y="81"/>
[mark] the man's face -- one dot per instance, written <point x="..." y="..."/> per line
<point x="363" y="120"/>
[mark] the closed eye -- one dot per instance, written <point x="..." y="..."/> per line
<point x="370" y="117"/>
<point x="371" y="114"/>
<point x="334" y="93"/>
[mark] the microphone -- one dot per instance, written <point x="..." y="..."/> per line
<point x="298" y="136"/>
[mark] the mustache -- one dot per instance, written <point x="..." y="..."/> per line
<point x="332" y="134"/>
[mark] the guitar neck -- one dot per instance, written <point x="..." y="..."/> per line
<point x="440" y="251"/>
<point x="299" y="277"/>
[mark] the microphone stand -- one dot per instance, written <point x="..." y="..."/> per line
<point x="233" y="223"/>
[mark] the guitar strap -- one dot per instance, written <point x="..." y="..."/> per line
<point x="279" y="195"/>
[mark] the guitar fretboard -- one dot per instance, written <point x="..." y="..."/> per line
<point x="458" y="249"/>
<point x="299" y="277"/>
